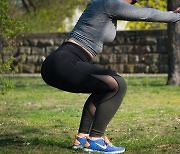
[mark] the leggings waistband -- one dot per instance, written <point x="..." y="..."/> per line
<point x="76" y="49"/>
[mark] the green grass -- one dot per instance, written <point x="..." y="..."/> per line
<point x="38" y="119"/>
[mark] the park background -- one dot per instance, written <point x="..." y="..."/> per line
<point x="36" y="118"/>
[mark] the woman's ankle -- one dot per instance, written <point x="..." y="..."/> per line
<point x="95" y="138"/>
<point x="82" y="135"/>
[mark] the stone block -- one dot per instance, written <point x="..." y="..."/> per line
<point x="133" y="59"/>
<point x="108" y="49"/>
<point x="129" y="40"/>
<point x="144" y="49"/>
<point x="104" y="59"/>
<point x="38" y="51"/>
<point x="20" y="59"/>
<point x="19" y="68"/>
<point x="107" y="58"/>
<point x="142" y="58"/>
<point x="30" y="42"/>
<point x="32" y="59"/>
<point x="50" y="49"/>
<point x="139" y="49"/>
<point x="24" y="50"/>
<point x="45" y="42"/>
<point x="28" y="68"/>
<point x="96" y="59"/>
<point x="117" y="67"/>
<point x="24" y="43"/>
<point x="16" y="69"/>
<point x="153" y="68"/>
<point x="20" y="43"/>
<point x="33" y="42"/>
<point x="121" y="58"/>
<point x="140" y="68"/>
<point x="106" y="66"/>
<point x="123" y="49"/>
<point x="147" y="69"/>
<point x="162" y="39"/>
<point x="59" y="41"/>
<point x="152" y="48"/>
<point x="162" y="44"/>
<point x="162" y="48"/>
<point x="38" y="69"/>
<point x="163" y="68"/>
<point x="135" y="40"/>
<point x="119" y="40"/>
<point x="129" y="68"/>
<point x="151" y="40"/>
<point x="112" y="58"/>
<point x="118" y="49"/>
<point x="163" y="59"/>
<point x="151" y="58"/>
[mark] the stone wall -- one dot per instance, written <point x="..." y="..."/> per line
<point x="130" y="52"/>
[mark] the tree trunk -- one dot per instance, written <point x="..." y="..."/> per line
<point x="32" y="5"/>
<point x="174" y="47"/>
<point x="25" y="6"/>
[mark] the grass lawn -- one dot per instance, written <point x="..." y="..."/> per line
<point x="35" y="118"/>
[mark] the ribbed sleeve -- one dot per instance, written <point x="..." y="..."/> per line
<point x="121" y="10"/>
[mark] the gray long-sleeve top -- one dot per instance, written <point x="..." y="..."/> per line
<point x="97" y="24"/>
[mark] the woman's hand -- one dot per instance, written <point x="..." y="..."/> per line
<point x="177" y="10"/>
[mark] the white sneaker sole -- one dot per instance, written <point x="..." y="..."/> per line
<point x="115" y="152"/>
<point x="75" y="147"/>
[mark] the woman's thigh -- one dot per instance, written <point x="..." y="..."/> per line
<point x="79" y="77"/>
<point x="86" y="78"/>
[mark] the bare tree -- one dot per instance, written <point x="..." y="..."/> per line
<point x="26" y="6"/>
<point x="174" y="48"/>
<point x="32" y="5"/>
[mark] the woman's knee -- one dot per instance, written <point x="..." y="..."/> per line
<point x="122" y="86"/>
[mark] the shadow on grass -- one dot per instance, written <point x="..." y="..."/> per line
<point x="17" y="138"/>
<point x="64" y="143"/>
<point x="10" y="141"/>
<point x="21" y="139"/>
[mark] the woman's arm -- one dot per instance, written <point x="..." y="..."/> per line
<point x="177" y="10"/>
<point x="121" y="10"/>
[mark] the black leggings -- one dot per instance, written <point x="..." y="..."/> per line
<point x="68" y="69"/>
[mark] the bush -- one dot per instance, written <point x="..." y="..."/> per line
<point x="9" y="29"/>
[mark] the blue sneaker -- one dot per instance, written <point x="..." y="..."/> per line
<point x="79" y="142"/>
<point x="102" y="145"/>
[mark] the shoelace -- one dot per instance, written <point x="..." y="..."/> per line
<point x="107" y="141"/>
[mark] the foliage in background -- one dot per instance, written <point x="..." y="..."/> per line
<point x="157" y="4"/>
<point x="45" y="16"/>
<point x="9" y="29"/>
<point x="50" y="15"/>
